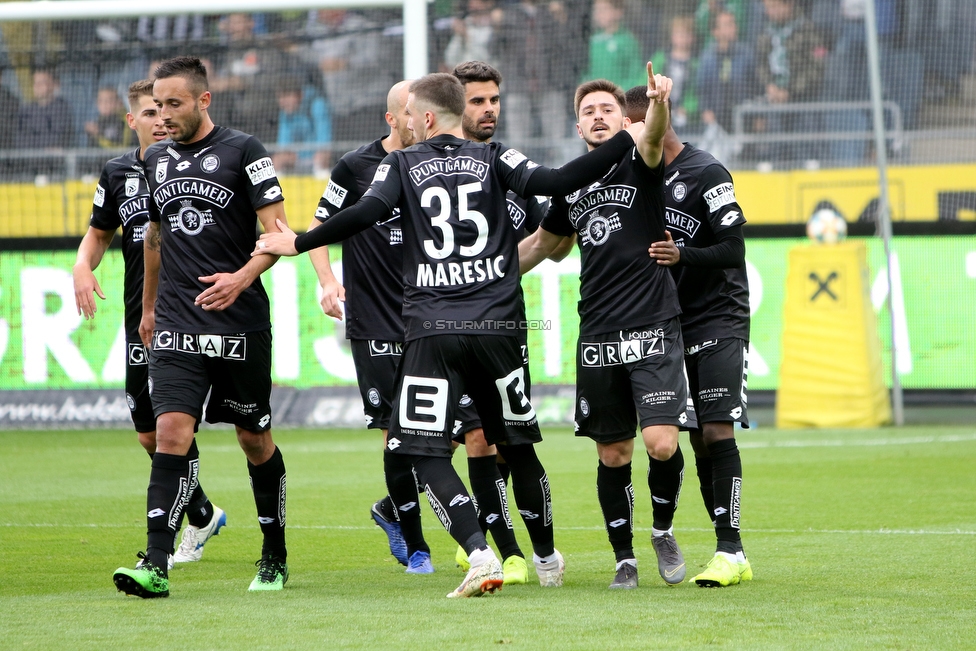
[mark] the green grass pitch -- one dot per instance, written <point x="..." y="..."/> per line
<point x="860" y="539"/>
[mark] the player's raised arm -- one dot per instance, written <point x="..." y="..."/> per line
<point x="651" y="142"/>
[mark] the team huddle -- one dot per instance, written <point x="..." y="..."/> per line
<point x="437" y="223"/>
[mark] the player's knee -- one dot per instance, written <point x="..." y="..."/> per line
<point x="661" y="442"/>
<point x="258" y="447"/>
<point x="712" y="433"/>
<point x="476" y="445"/>
<point x="174" y="432"/>
<point x="615" y="455"/>
<point x="148" y="441"/>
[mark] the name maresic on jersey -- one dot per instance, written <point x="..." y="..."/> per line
<point x="444" y="274"/>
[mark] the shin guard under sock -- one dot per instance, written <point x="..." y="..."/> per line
<point x="402" y="486"/>
<point x="170" y="481"/>
<point x="664" y="479"/>
<point x="199" y="511"/>
<point x="450" y="501"/>
<point x="268" y="486"/>
<point x="531" y="488"/>
<point x="489" y="492"/>
<point x="615" y="491"/>
<point x="727" y="484"/>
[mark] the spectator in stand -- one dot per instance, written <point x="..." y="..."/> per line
<point x="748" y="17"/>
<point x="9" y="112"/>
<point x="303" y="118"/>
<point x="679" y="63"/>
<point x="358" y="65"/>
<point x="790" y="61"/>
<point x="615" y="53"/>
<point x="541" y="72"/>
<point x="726" y="73"/>
<point x="245" y="78"/>
<point x="45" y="122"/>
<point x="471" y="40"/>
<point x="109" y="129"/>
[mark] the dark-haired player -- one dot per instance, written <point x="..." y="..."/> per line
<point x="629" y="367"/>
<point x="121" y="200"/>
<point x="705" y="249"/>
<point x="372" y="271"/>
<point x="207" y="317"/>
<point x="460" y="306"/>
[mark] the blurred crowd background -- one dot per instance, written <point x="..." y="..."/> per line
<point x="774" y="84"/>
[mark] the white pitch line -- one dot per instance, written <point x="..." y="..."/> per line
<point x="327" y="527"/>
<point x="831" y="443"/>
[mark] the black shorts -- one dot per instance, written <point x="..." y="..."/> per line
<point x="376" y="364"/>
<point x="467" y="418"/>
<point x="235" y="369"/>
<point x="630" y="377"/>
<point x="137" y="387"/>
<point x="717" y="375"/>
<point x="433" y="375"/>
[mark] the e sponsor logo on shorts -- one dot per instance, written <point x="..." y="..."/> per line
<point x="423" y="403"/>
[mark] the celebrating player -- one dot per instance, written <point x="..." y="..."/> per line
<point x="629" y="360"/>
<point x="460" y="304"/>
<point x="121" y="199"/>
<point x="207" y="317"/>
<point x="707" y="261"/>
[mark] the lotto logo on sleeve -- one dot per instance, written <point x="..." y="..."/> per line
<point x="260" y="170"/>
<point x="335" y="194"/>
<point x="721" y="195"/>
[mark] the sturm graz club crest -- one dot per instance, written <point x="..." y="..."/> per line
<point x="189" y="219"/>
<point x="598" y="229"/>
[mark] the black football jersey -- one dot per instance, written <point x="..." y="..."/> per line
<point x="701" y="202"/>
<point x="372" y="260"/>
<point x="616" y="219"/>
<point x="205" y="196"/>
<point x="122" y="199"/>
<point x="460" y="251"/>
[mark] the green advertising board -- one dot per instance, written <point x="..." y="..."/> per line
<point x="44" y="344"/>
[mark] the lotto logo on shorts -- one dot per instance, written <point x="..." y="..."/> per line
<point x="615" y="353"/>
<point x="384" y="348"/>
<point x="137" y="355"/>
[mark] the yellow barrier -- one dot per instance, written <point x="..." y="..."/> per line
<point x="27" y="210"/>
<point x="63" y="209"/>
<point x="830" y="373"/>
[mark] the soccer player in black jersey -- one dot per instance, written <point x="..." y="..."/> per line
<point x="629" y="359"/>
<point x="705" y="249"/>
<point x="372" y="270"/>
<point x="121" y="199"/>
<point x="206" y="317"/>
<point x="460" y="306"/>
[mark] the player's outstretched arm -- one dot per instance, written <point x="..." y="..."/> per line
<point x="150" y="283"/>
<point x="226" y="287"/>
<point x="651" y="142"/>
<point x="90" y="252"/>
<point x="580" y="171"/>
<point x="537" y="247"/>
<point x="332" y="290"/>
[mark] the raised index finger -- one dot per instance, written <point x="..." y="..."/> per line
<point x="651" y="85"/>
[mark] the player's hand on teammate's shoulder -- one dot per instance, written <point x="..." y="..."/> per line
<point x="665" y="252"/>
<point x="282" y="243"/>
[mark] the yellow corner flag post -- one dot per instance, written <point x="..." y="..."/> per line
<point x="830" y="374"/>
